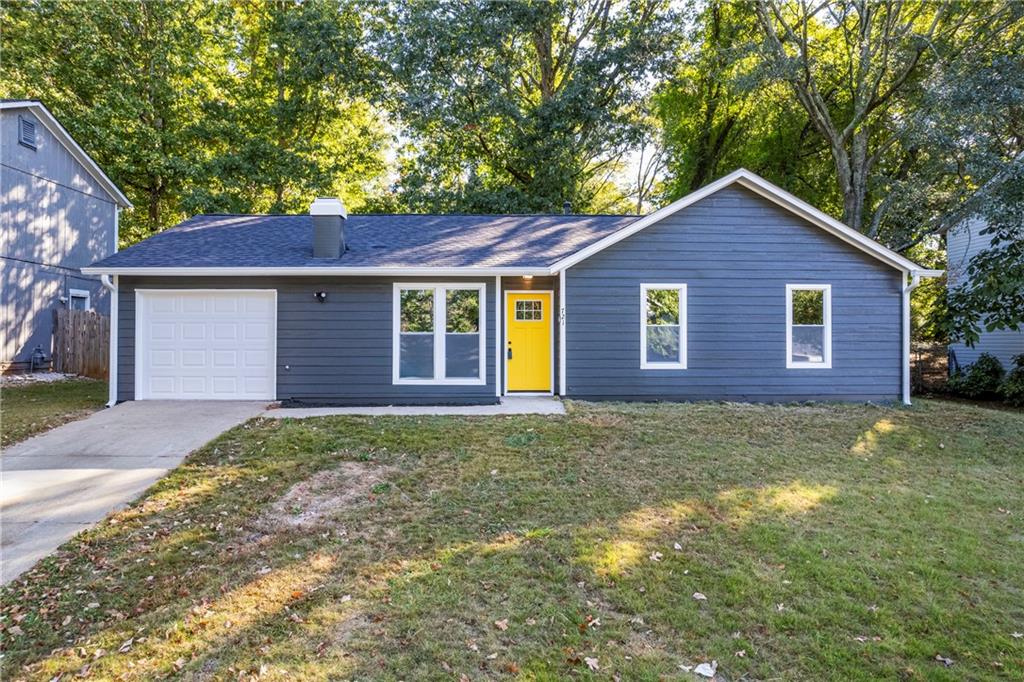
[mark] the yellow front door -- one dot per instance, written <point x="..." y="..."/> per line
<point x="528" y="341"/>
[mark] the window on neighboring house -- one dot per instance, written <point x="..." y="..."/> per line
<point x="79" y="299"/>
<point x="808" y="325"/>
<point x="439" y="335"/>
<point x="663" y="326"/>
<point x="27" y="132"/>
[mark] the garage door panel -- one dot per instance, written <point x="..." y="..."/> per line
<point x="206" y="344"/>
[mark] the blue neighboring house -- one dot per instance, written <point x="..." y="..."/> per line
<point x="739" y="291"/>
<point x="963" y="243"/>
<point x="59" y="212"/>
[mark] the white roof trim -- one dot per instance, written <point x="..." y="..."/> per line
<point x="58" y="131"/>
<point x="338" y="271"/>
<point x="773" y="193"/>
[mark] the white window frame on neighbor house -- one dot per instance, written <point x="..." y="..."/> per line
<point x="680" y="290"/>
<point x="80" y="293"/>
<point x="826" y="319"/>
<point x="440" y="290"/>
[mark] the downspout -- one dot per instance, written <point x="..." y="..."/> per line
<point x="915" y="279"/>
<point x="112" y="362"/>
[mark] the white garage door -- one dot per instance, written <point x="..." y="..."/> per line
<point x="209" y="345"/>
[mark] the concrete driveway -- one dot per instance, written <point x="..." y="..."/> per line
<point x="65" y="480"/>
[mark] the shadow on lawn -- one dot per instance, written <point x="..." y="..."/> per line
<point x="487" y="554"/>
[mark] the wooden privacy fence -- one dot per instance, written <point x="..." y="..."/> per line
<point x="81" y="342"/>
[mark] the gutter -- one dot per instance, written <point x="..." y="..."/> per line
<point x="908" y="288"/>
<point x="111" y="286"/>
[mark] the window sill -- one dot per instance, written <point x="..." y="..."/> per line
<point x="439" y="382"/>
<point x="662" y="365"/>
<point x="808" y="365"/>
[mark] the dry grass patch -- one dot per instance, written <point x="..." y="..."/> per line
<point x="318" y="501"/>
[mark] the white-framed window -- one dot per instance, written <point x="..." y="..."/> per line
<point x="663" y="326"/>
<point x="79" y="299"/>
<point x="808" y="326"/>
<point x="438" y="334"/>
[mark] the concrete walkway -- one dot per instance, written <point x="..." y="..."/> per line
<point x="509" y="405"/>
<point x="58" y="483"/>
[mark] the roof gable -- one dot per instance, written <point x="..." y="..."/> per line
<point x="767" y="190"/>
<point x="64" y="137"/>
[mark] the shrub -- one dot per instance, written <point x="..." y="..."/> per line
<point x="1012" y="389"/>
<point x="981" y="379"/>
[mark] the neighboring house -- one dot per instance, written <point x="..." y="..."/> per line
<point x="739" y="291"/>
<point x="963" y="243"/>
<point x="58" y="212"/>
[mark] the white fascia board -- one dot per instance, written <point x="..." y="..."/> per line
<point x="765" y="189"/>
<point x="928" y="273"/>
<point x="315" y="272"/>
<point x="58" y="131"/>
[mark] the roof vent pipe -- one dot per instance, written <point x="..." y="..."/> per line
<point x="329" y="217"/>
<point x="566" y="208"/>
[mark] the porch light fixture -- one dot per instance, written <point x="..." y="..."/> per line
<point x="527" y="277"/>
<point x="320" y="296"/>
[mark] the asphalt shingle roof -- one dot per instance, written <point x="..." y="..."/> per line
<point x="247" y="241"/>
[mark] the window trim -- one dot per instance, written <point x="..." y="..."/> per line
<point x="680" y="288"/>
<point x="826" y="319"/>
<point x="80" y="293"/>
<point x="440" y="290"/>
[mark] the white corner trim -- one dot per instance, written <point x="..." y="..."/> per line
<point x="826" y="319"/>
<point x="112" y="345"/>
<point x="64" y="137"/>
<point x="561" y="333"/>
<point x="680" y="289"/>
<point x="769" y="191"/>
<point x="440" y="323"/>
<point x="499" y="325"/>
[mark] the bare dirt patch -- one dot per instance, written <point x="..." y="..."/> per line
<point x="316" y="501"/>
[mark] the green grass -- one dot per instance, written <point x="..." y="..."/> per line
<point x="34" y="408"/>
<point x="831" y="542"/>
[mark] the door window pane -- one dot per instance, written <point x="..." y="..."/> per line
<point x="529" y="311"/>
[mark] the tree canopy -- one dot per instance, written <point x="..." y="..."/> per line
<point x="903" y="119"/>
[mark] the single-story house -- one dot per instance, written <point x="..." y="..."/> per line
<point x="739" y="291"/>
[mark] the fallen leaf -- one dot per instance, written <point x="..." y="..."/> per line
<point x="15" y="630"/>
<point x="592" y="663"/>
<point x="501" y="624"/>
<point x="493" y="656"/>
<point x="64" y="623"/>
<point x="943" y="660"/>
<point x="347" y="597"/>
<point x="677" y="547"/>
<point x="699" y="596"/>
<point x="741" y="653"/>
<point x="126" y="646"/>
<point x="706" y="669"/>
<point x="1017" y="635"/>
<point x="656" y="556"/>
<point x="780" y="607"/>
<point x="297" y="594"/>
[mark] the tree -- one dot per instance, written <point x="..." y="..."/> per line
<point x="291" y="119"/>
<point x="720" y="111"/>
<point x="127" y="80"/>
<point x="517" y="106"/>
<point x="858" y="68"/>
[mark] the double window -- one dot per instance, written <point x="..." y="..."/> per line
<point x="439" y="334"/>
<point x="663" y="326"/>
<point x="808" y="326"/>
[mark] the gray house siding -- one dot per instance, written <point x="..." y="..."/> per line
<point x="962" y="244"/>
<point x="337" y="352"/>
<point x="736" y="252"/>
<point x="54" y="219"/>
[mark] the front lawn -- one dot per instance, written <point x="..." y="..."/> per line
<point x="621" y="541"/>
<point x="37" y="407"/>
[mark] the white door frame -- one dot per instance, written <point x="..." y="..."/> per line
<point x="504" y="338"/>
<point x="140" y="325"/>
